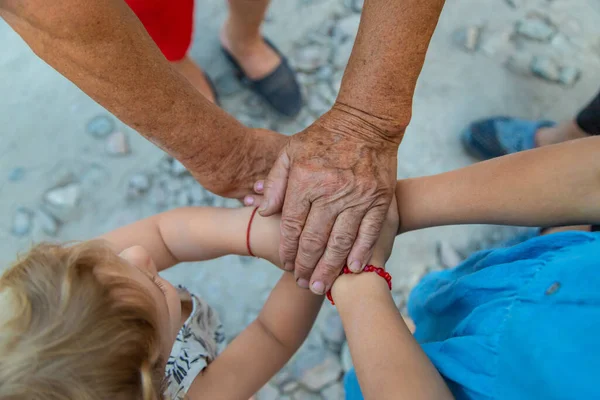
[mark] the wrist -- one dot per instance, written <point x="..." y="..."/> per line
<point x="348" y="287"/>
<point x="354" y="122"/>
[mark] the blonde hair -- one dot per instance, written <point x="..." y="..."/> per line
<point x="66" y="334"/>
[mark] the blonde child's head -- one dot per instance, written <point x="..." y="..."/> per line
<point x="80" y="322"/>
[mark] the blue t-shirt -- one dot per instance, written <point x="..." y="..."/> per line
<point x="514" y="323"/>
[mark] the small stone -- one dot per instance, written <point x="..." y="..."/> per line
<point x="254" y="107"/>
<point x="514" y="3"/>
<point x="334" y="392"/>
<point x="324" y="73"/>
<point x="100" y="126"/>
<point x="47" y="222"/>
<point x="117" y="144"/>
<point x="177" y="168"/>
<point x="197" y="195"/>
<point x="447" y="255"/>
<point x="519" y="63"/>
<point x="472" y="35"/>
<point x="553" y="288"/>
<point x="93" y="177"/>
<point x="347" y="28"/>
<point x="183" y="199"/>
<point x="357" y="5"/>
<point x="323" y="374"/>
<point x="21" y="224"/>
<point x="536" y="27"/>
<point x="346" y="358"/>
<point x="569" y="75"/>
<point x="289" y="387"/>
<point x="268" y="392"/>
<point x="302" y="394"/>
<point x="317" y="104"/>
<point x="282" y="378"/>
<point x="545" y="68"/>
<point x="16" y="174"/>
<point x="66" y="196"/>
<point x="309" y="58"/>
<point x="138" y="185"/>
<point x="158" y="197"/>
<point x="332" y="330"/>
<point x="173" y="185"/>
<point x="342" y="54"/>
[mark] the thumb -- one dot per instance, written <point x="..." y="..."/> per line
<point x="275" y="186"/>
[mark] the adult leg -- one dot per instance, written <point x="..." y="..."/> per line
<point x="241" y="36"/>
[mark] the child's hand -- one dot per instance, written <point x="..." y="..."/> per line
<point x="383" y="247"/>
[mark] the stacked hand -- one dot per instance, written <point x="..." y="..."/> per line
<point x="333" y="183"/>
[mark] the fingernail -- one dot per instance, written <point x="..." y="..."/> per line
<point x="303" y="283"/>
<point x="259" y="185"/>
<point x="264" y="206"/>
<point x="355" y="266"/>
<point x="318" y="287"/>
<point x="248" y="200"/>
<point x="288" y="266"/>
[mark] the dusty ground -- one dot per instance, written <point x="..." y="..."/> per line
<point x="44" y="143"/>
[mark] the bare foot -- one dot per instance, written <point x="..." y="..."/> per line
<point x="193" y="73"/>
<point x="256" y="58"/>
<point x="559" y="133"/>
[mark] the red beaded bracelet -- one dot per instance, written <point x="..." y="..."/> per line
<point x="369" y="268"/>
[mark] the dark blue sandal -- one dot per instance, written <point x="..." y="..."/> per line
<point x="498" y="136"/>
<point x="280" y="88"/>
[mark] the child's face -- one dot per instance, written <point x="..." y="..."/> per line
<point x="140" y="267"/>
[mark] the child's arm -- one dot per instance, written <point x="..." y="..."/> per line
<point x="389" y="362"/>
<point x="265" y="346"/>
<point x="549" y="186"/>
<point x="198" y="234"/>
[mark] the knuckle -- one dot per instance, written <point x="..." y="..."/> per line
<point x="340" y="242"/>
<point x="329" y="270"/>
<point x="291" y="228"/>
<point x="311" y="244"/>
<point x="302" y="269"/>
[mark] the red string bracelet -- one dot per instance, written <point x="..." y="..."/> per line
<point x="369" y="268"/>
<point x="248" y="232"/>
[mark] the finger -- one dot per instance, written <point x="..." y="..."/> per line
<point x="368" y="233"/>
<point x="313" y="241"/>
<point x="295" y="212"/>
<point x="340" y="243"/>
<point x="275" y="186"/>
<point x="259" y="187"/>
<point x="253" y="200"/>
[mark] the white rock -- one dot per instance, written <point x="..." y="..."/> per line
<point x="21" y="224"/>
<point x="334" y="392"/>
<point x="536" y="27"/>
<point x="311" y="57"/>
<point x="545" y="68"/>
<point x="47" y="222"/>
<point x="342" y="54"/>
<point x="117" y="144"/>
<point x="302" y="394"/>
<point x="66" y="196"/>
<point x="268" y="392"/>
<point x="447" y="255"/>
<point x="472" y="36"/>
<point x="323" y="374"/>
<point x="138" y="184"/>
<point x="569" y="75"/>
<point x="347" y="28"/>
<point x="100" y="126"/>
<point x="289" y="387"/>
<point x="183" y="199"/>
<point x="332" y="330"/>
<point x="177" y="168"/>
<point x="346" y="358"/>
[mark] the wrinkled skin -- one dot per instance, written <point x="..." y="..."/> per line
<point x="333" y="183"/>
